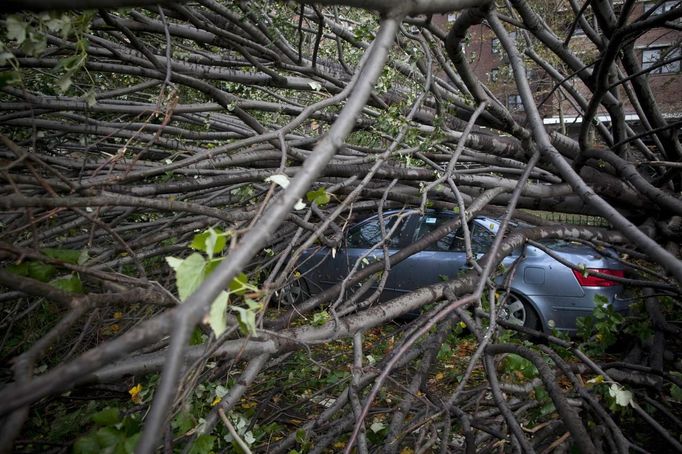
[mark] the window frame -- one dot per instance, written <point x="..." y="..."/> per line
<point x="663" y="7"/>
<point x="655" y="55"/>
<point x="517" y="104"/>
<point x="494" y="74"/>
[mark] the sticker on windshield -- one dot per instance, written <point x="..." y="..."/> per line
<point x="430" y="220"/>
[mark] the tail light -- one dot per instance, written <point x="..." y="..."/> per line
<point x="591" y="280"/>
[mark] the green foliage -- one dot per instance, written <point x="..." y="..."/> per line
<point x="28" y="32"/>
<point x="42" y="272"/>
<point x="676" y="391"/>
<point x="546" y="404"/>
<point x="519" y="368"/>
<point x="193" y="270"/>
<point x="9" y="78"/>
<point x="46" y="272"/>
<point x="189" y="273"/>
<point x="71" y="283"/>
<point x="319" y="196"/>
<point x="211" y="242"/>
<point x="320" y="318"/>
<point x="377" y="432"/>
<point x="203" y="444"/>
<point x="71" y="256"/>
<point x="247" y="316"/>
<point x="112" y="433"/>
<point x="602" y="327"/>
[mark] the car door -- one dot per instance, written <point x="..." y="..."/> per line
<point x="323" y="267"/>
<point x="361" y="241"/>
<point x="440" y="261"/>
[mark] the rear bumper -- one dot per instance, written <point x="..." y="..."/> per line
<point x="562" y="312"/>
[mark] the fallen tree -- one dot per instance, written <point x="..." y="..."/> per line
<point x="164" y="167"/>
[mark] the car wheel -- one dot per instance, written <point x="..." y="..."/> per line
<point x="520" y="312"/>
<point x="294" y="293"/>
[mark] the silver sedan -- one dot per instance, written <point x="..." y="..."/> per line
<point x="545" y="293"/>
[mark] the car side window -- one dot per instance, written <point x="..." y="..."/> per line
<point x="481" y="239"/>
<point x="368" y="234"/>
<point x="451" y="242"/>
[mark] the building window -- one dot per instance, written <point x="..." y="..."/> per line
<point x="514" y="102"/>
<point x="496" y="46"/>
<point x="494" y="74"/>
<point x="663" y="8"/>
<point x="653" y="55"/>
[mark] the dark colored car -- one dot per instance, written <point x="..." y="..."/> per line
<point x="545" y="294"/>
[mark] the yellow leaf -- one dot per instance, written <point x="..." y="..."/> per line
<point x="216" y="401"/>
<point x="407" y="451"/>
<point x="440" y="376"/>
<point x="596" y="380"/>
<point x="118" y="315"/>
<point x="135" y="393"/>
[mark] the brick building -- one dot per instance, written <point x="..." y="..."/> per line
<point x="660" y="47"/>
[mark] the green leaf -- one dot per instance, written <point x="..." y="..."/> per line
<point x="320" y="196"/>
<point x="240" y="284"/>
<point x="70" y="64"/>
<point x="71" y="283"/>
<point x="91" y="98"/>
<point x="203" y="445"/>
<point x="107" y="417"/>
<point x="108" y="437"/>
<point x="320" y="318"/>
<point x="174" y="262"/>
<point x="301" y="437"/>
<point x="16" y="29"/>
<point x="8" y="78"/>
<point x="64" y="83"/>
<point x="65" y="255"/>
<point x="35" y="44"/>
<point x="18" y="268"/>
<point x="516" y="363"/>
<point x="211" y="265"/>
<point x="676" y="392"/>
<point x="600" y="300"/>
<point x="86" y="445"/>
<point x="547" y="409"/>
<point x="183" y="423"/>
<point x="217" y="315"/>
<point x="41" y="271"/>
<point x="599" y="379"/>
<point x="247" y="317"/>
<point x="197" y="338"/>
<point x="189" y="273"/>
<point x="211" y="241"/>
<point x="130" y="443"/>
